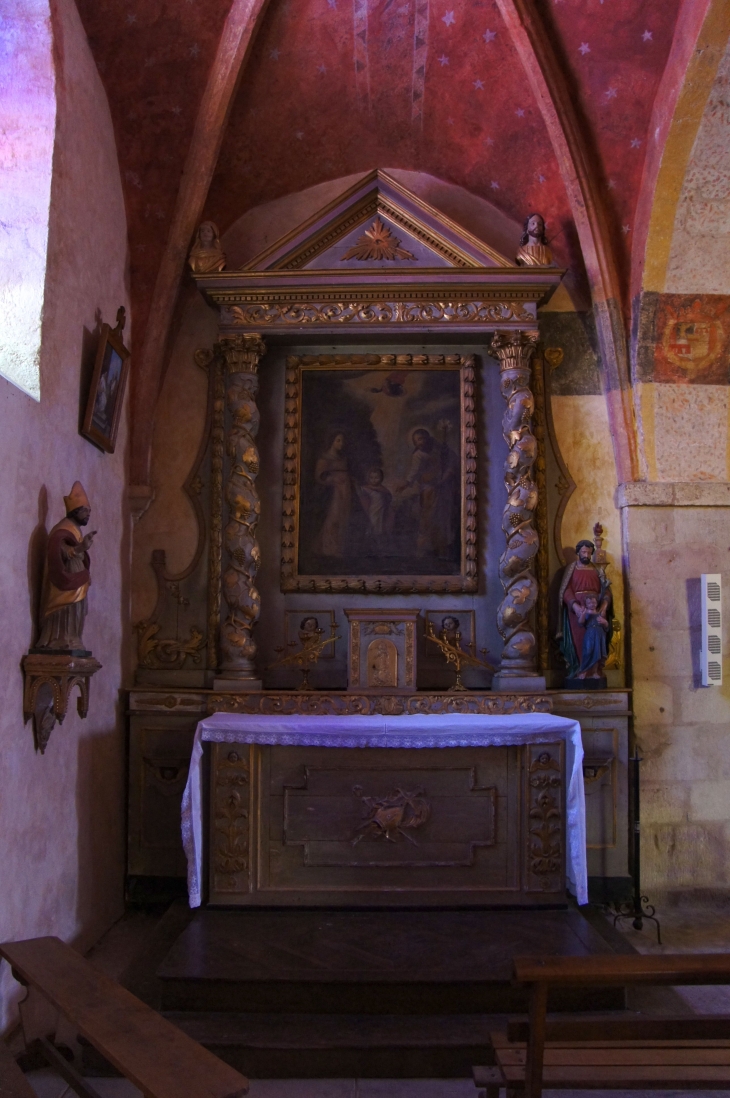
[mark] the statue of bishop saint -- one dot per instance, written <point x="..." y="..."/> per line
<point x="66" y="578"/>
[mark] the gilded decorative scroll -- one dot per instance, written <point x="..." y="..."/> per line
<point x="241" y="355"/>
<point x="366" y="310"/>
<point x="318" y="703"/>
<point x="517" y="563"/>
<point x="545" y="818"/>
<point x="231" y="818"/>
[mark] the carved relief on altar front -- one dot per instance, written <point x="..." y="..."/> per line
<point x="231" y="818"/>
<point x="545" y="823"/>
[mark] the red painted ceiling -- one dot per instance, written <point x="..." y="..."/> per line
<point x="340" y="86"/>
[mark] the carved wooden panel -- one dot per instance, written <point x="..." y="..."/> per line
<point x="545" y="781"/>
<point x="386" y="826"/>
<point x="231" y="818"/>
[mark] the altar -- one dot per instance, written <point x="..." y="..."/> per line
<point x="433" y="810"/>
<point x="364" y="631"/>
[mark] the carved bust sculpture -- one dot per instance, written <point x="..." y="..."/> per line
<point x="534" y="250"/>
<point x="66" y="577"/>
<point x="206" y="255"/>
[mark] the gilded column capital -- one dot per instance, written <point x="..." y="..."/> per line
<point x="241" y="353"/>
<point x="515" y="350"/>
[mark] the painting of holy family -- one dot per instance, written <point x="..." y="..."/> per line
<point x="381" y="473"/>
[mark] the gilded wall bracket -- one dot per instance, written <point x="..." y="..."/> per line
<point x="49" y="680"/>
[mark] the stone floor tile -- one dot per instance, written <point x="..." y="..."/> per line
<point x="303" y="1088"/>
<point x="109" y="1087"/>
<point x="415" y="1088"/>
<point x="46" y="1083"/>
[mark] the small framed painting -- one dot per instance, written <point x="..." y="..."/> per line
<point x="109" y="380"/>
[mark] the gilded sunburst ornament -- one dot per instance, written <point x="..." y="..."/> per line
<point x="377" y="242"/>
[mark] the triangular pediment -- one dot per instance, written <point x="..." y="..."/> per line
<point x="377" y="224"/>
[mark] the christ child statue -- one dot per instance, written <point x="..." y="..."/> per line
<point x="594" y="651"/>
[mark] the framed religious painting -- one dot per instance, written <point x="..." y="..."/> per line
<point x="108" y="382"/>
<point x="379" y="474"/>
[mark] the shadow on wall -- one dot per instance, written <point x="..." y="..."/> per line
<point x="694" y="614"/>
<point x="36" y="557"/>
<point x="100" y="814"/>
<point x="89" y="346"/>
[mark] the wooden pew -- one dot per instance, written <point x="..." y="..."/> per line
<point x="75" y="998"/>
<point x="610" y="1054"/>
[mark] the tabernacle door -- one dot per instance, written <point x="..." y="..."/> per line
<point x="387" y="827"/>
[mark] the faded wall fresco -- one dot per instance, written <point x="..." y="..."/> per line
<point x="684" y="339"/>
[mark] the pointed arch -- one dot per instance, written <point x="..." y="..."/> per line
<point x="547" y="80"/>
<point x="700" y="40"/>
<point x="239" y="31"/>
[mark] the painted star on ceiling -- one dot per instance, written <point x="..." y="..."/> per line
<point x="448" y="18"/>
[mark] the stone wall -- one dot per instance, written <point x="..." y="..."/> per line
<point x="681" y="727"/>
<point x="62" y="814"/>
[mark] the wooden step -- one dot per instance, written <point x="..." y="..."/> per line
<point x="340" y="1046"/>
<point x="370" y="962"/>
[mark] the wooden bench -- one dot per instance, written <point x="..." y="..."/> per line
<point x="639" y="1053"/>
<point x="68" y="997"/>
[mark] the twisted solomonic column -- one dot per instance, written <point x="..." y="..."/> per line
<point x="241" y="555"/>
<point x="515" y="616"/>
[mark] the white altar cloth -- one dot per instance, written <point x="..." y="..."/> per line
<point x="427" y="730"/>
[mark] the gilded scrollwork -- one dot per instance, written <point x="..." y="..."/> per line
<point x="517" y="563"/>
<point x="320" y="703"/>
<point x="545" y="816"/>
<point x="264" y="313"/>
<point x="231" y="818"/>
<point x="156" y="653"/>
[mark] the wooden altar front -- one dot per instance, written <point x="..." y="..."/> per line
<point x="309" y="826"/>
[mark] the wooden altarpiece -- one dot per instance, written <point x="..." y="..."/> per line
<point x="374" y="266"/>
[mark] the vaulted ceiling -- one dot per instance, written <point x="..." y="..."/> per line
<point x="338" y="86"/>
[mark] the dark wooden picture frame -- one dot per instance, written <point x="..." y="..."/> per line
<point x="108" y="384"/>
<point x="373" y="407"/>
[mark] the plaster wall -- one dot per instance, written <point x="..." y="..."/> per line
<point x="61" y="814"/>
<point x="681" y="726"/>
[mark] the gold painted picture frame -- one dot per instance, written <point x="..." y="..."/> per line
<point x="108" y="384"/>
<point x="379" y="488"/>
